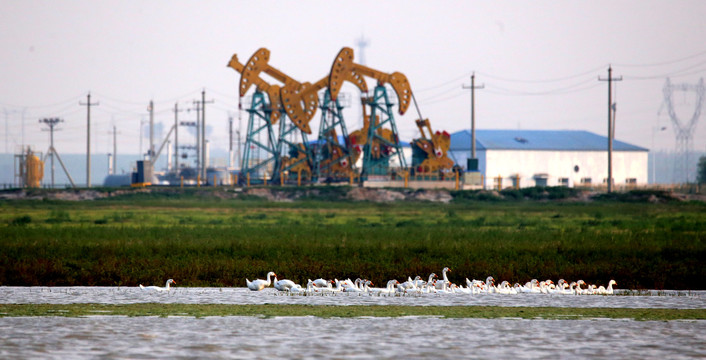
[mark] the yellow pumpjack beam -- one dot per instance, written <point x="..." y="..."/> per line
<point x="250" y="75"/>
<point x="344" y="69"/>
<point x="301" y="100"/>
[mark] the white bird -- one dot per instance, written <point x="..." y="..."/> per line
<point x="546" y="287"/>
<point x="505" y="288"/>
<point x="460" y="289"/>
<point x="284" y="284"/>
<point x="476" y="286"/>
<point x="490" y="285"/>
<point x="390" y="289"/>
<point x="297" y="289"/>
<point x="429" y="288"/>
<point x="418" y="282"/>
<point x="520" y="289"/>
<point x="349" y="286"/>
<point x="310" y="286"/>
<point x="410" y="284"/>
<point x="322" y="283"/>
<point x="366" y="285"/>
<point x="572" y="288"/>
<point x="531" y="286"/>
<point x="562" y="288"/>
<point x="446" y="288"/>
<point x="349" y="283"/>
<point x="443" y="284"/>
<point x="609" y="291"/>
<point x="259" y="284"/>
<point x="159" y="288"/>
<point x="330" y="288"/>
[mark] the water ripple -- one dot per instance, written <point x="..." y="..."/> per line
<point x="184" y="295"/>
<point x="117" y="337"/>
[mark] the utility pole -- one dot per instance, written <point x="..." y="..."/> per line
<point x="203" y="133"/>
<point x="198" y="136"/>
<point x="472" y="162"/>
<point x="611" y="112"/>
<point x="238" y="132"/>
<point x="51" y="122"/>
<point x="151" y="150"/>
<point x="176" y="137"/>
<point x="88" y="105"/>
<point x="115" y="149"/>
<point x="230" y="141"/>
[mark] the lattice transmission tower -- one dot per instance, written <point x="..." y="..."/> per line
<point x="684" y="132"/>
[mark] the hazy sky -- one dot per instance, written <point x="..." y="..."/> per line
<point x="539" y="61"/>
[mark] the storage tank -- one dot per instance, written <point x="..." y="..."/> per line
<point x="29" y="169"/>
<point x="35" y="170"/>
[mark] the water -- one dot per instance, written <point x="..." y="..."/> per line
<point x="184" y="295"/>
<point x="115" y="337"/>
<point x="248" y="337"/>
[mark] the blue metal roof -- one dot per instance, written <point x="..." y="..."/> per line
<point x="341" y="140"/>
<point x="573" y="140"/>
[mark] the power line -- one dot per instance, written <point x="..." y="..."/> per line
<point x="453" y="82"/>
<point x="70" y="100"/>
<point x="535" y="81"/>
<point x="514" y="92"/>
<point x="228" y="96"/>
<point x="682" y="72"/>
<point x="437" y="100"/>
<point x="668" y="62"/>
<point x="558" y="91"/>
<point x="137" y="102"/>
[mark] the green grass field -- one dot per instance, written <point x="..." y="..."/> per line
<point x="202" y="240"/>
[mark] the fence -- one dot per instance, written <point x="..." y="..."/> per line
<point x="395" y="179"/>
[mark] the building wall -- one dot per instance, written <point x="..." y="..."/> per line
<point x="571" y="165"/>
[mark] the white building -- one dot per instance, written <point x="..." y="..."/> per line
<point x="549" y="158"/>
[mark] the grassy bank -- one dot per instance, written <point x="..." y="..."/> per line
<point x="219" y="242"/>
<point x="484" y="312"/>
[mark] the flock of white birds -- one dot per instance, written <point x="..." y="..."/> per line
<point x="432" y="285"/>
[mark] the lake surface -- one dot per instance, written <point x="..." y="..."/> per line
<point x="236" y="337"/>
<point x="248" y="337"/>
<point x="188" y="295"/>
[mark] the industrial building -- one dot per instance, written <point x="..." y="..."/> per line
<point x="525" y="158"/>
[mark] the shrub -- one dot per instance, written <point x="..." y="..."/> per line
<point x="21" y="220"/>
<point x="58" y="216"/>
